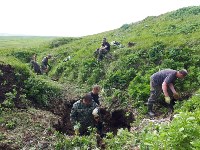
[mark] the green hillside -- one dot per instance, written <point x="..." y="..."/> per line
<point x="171" y="40"/>
<point x="167" y="41"/>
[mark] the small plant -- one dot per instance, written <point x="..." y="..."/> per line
<point x="2" y="136"/>
<point x="11" y="124"/>
<point x="24" y="101"/>
<point x="9" y="102"/>
<point x="1" y="73"/>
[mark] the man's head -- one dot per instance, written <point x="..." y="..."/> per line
<point x="104" y="40"/>
<point x="182" y="73"/>
<point x="49" y="56"/>
<point x="87" y="99"/>
<point x="96" y="89"/>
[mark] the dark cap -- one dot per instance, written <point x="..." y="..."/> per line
<point x="183" y="72"/>
<point x="87" y="97"/>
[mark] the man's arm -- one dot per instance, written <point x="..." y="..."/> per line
<point x="171" y="86"/>
<point x="73" y="116"/>
<point x="164" y="88"/>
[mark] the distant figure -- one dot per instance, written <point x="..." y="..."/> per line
<point x="163" y="81"/>
<point x="34" y="65"/>
<point x="95" y="93"/>
<point x="34" y="57"/>
<point x="45" y="64"/>
<point x="103" y="50"/>
<point x="131" y="44"/>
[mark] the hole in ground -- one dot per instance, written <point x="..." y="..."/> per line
<point x="112" y="120"/>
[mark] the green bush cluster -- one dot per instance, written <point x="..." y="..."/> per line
<point x="181" y="133"/>
<point x="61" y="41"/>
<point x="41" y="91"/>
<point x="24" y="56"/>
<point x="77" y="142"/>
<point x="181" y="13"/>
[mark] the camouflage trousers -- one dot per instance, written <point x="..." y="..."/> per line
<point x="84" y="128"/>
<point x="100" y="53"/>
<point x="155" y="92"/>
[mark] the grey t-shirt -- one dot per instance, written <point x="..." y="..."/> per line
<point x="167" y="75"/>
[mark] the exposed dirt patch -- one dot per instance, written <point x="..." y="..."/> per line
<point x="7" y="80"/>
<point x="27" y="129"/>
<point x="8" y="83"/>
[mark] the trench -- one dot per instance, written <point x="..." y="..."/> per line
<point x="112" y="120"/>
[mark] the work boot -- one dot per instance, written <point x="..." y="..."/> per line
<point x="150" y="112"/>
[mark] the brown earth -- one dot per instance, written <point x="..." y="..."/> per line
<point x="9" y="83"/>
<point x="7" y="80"/>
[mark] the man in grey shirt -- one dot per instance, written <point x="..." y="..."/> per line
<point x="163" y="81"/>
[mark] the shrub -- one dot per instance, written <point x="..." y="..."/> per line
<point x="41" y="91"/>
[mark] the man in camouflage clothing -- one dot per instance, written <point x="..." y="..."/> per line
<point x="81" y="114"/>
<point x="163" y="81"/>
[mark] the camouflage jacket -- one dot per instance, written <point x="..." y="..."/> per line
<point x="82" y="113"/>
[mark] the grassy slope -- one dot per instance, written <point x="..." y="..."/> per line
<point x="156" y="37"/>
<point x="165" y="37"/>
<point x="22" y="42"/>
<point x="177" y="30"/>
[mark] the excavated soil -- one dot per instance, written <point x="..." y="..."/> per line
<point x="113" y="120"/>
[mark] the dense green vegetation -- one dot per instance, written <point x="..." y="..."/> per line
<point x="170" y="40"/>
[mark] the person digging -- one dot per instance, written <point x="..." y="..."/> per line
<point x="163" y="81"/>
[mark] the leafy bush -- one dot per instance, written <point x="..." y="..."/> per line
<point x="24" y="56"/>
<point x="191" y="105"/>
<point x="125" y="26"/>
<point x="61" y="41"/>
<point x="156" y="52"/>
<point x="9" y="101"/>
<point x="139" y="89"/>
<point x="185" y="12"/>
<point x="41" y="91"/>
<point x="76" y="142"/>
<point x="123" y="140"/>
<point x="181" y="133"/>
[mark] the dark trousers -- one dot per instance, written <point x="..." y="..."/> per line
<point x="155" y="92"/>
<point x="100" y="53"/>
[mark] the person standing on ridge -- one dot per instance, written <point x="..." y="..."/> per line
<point x="163" y="81"/>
